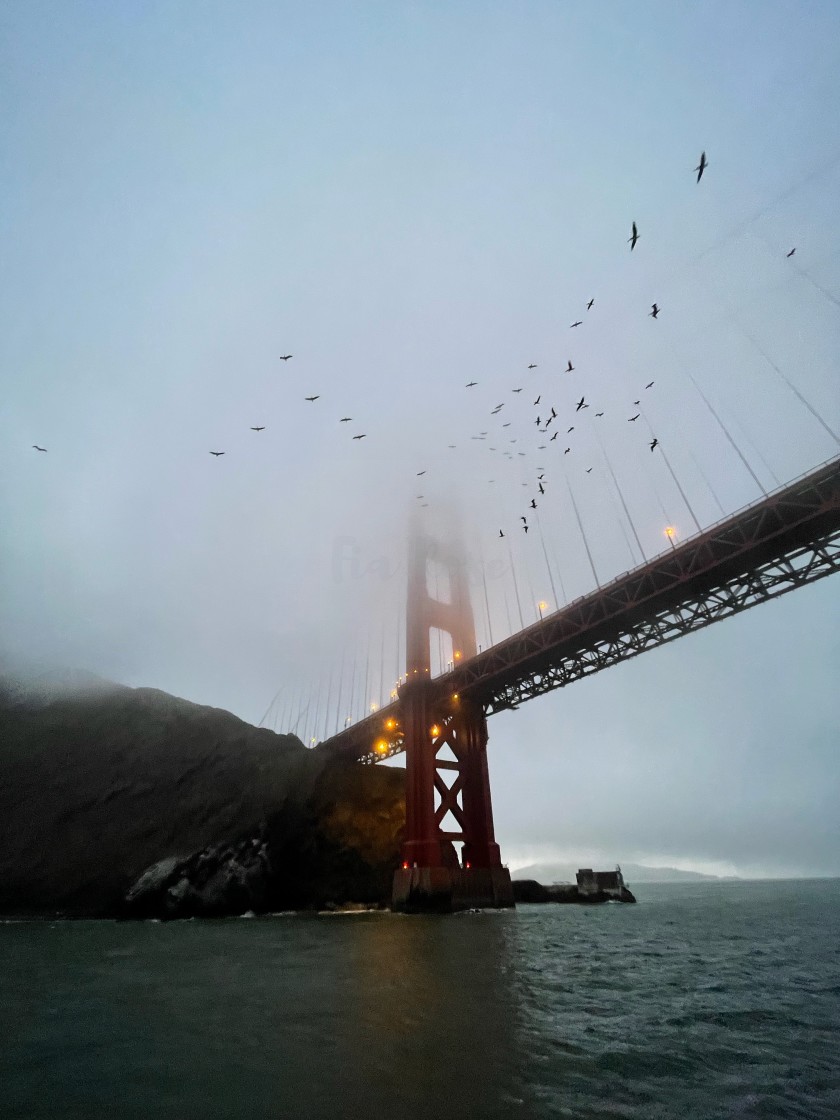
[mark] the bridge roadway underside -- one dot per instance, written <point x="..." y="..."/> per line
<point x="788" y="539"/>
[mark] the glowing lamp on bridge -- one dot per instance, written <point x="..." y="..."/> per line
<point x="542" y="605"/>
<point x="380" y="746"/>
<point x="374" y="707"/>
<point x="670" y="532"/>
<point x="434" y="731"/>
<point x="390" y="724"/>
<point x="457" y="655"/>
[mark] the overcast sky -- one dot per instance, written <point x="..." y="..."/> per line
<point x="408" y="197"/>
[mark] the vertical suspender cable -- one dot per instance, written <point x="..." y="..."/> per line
<point x="725" y="431"/>
<point x="583" y="534"/>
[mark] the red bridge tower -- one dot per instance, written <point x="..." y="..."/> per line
<point x="456" y="787"/>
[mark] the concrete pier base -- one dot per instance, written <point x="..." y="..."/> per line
<point x="443" y="890"/>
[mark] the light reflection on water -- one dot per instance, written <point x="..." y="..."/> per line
<point x="714" y="1000"/>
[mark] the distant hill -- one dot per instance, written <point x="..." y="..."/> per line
<point x="632" y="872"/>
<point x="99" y="781"/>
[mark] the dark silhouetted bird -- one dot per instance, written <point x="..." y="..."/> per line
<point x="654" y="311"/>
<point x="37" y="448"/>
<point x="654" y="443"/>
<point x="501" y="534"/>
<point x="637" y="402"/>
<point x="516" y="390"/>
<point x="599" y="414"/>
<point x="554" y="437"/>
<point x="470" y="384"/>
<point x="262" y="429"/>
<point x="701" y="166"/>
<point x="589" y="305"/>
<point x="362" y="436"/>
<point x="345" y="419"/>
<point x="579" y="323"/>
<point x="315" y="398"/>
<point x="420" y="472"/>
<point x="633" y="238"/>
<point x="570" y="429"/>
<point x="538" y="421"/>
<point x="581" y="404"/>
<point x="507" y="425"/>
<point x="790" y="254"/>
<point x="569" y="367"/>
<point x="285" y="357"/>
<point x="525" y="519"/>
<point x="649" y="384"/>
<point x="630" y="419"/>
<point x="566" y="452"/>
<point x="533" y="365"/>
<point x="541" y="487"/>
<point x="589" y="470"/>
<point x="525" y="527"/>
<point x="533" y="503"/>
<point x="553" y="414"/>
<point x="217" y="453"/>
<point x="539" y="398"/>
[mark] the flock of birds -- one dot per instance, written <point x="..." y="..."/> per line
<point x="543" y="420"/>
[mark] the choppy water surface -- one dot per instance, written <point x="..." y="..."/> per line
<point x="715" y="1000"/>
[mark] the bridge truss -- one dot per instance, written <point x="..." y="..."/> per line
<point x="786" y="540"/>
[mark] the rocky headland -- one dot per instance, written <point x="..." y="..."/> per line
<point x="118" y="801"/>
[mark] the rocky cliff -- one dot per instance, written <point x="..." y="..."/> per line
<point x="99" y="782"/>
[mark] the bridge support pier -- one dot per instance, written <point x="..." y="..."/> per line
<point x="431" y="877"/>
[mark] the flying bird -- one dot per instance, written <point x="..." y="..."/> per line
<point x="541" y="487"/>
<point x="589" y="470"/>
<point x="554" y="437"/>
<point x="262" y="429"/>
<point x="581" y="404"/>
<point x="553" y="414"/>
<point x="420" y="472"/>
<point x="537" y="401"/>
<point x="470" y="384"/>
<point x="654" y="443"/>
<point x="533" y="365"/>
<point x="525" y="527"/>
<point x="649" y="384"/>
<point x="533" y="503"/>
<point x="637" y="402"/>
<point x="630" y="419"/>
<point x="516" y="390"/>
<point x="589" y="305"/>
<point x="570" y="429"/>
<point x="566" y="452"/>
<point x="579" y="323"/>
<point x="507" y="425"/>
<point x="501" y="534"/>
<point x="701" y="166"/>
<point x="790" y="254"/>
<point x="525" y="519"/>
<point x="569" y="367"/>
<point x="633" y="238"/>
<point x="285" y="357"/>
<point x="654" y="311"/>
<point x="345" y="419"/>
<point x="599" y="414"/>
<point x="362" y="436"/>
<point x="315" y="398"/>
<point x="37" y="448"/>
<point x="217" y="453"/>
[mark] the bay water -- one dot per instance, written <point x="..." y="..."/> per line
<point x="705" y="1000"/>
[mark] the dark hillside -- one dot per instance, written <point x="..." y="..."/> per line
<point x="99" y="781"/>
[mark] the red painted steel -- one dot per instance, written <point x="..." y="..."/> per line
<point x="431" y="721"/>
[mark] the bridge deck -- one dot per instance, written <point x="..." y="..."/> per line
<point x="785" y="540"/>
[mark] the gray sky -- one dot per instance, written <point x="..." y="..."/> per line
<point x="408" y="197"/>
